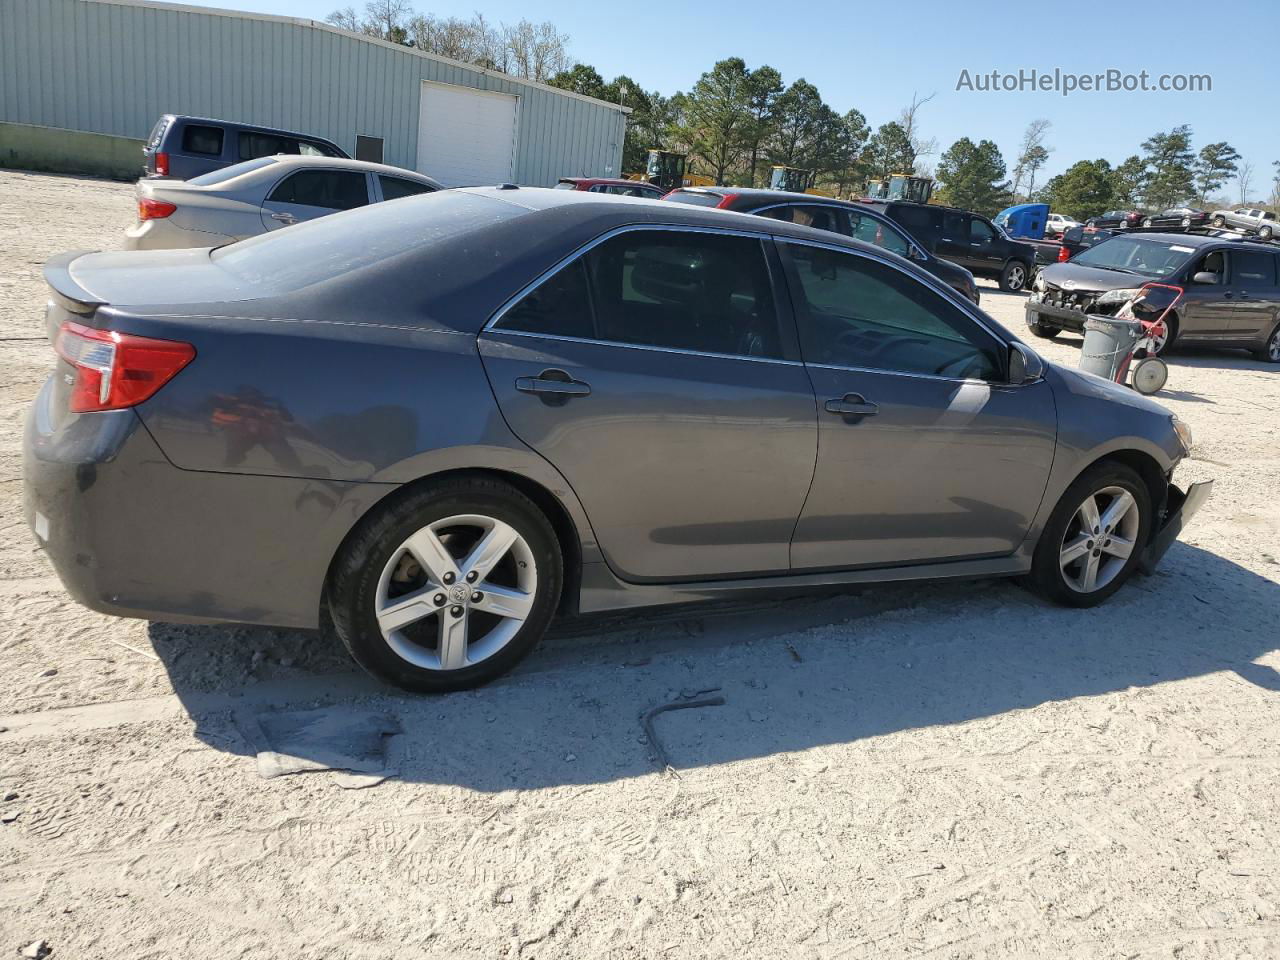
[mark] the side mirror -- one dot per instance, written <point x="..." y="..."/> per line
<point x="1025" y="366"/>
<point x="1204" y="276"/>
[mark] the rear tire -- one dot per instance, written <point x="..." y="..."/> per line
<point x="1013" y="277"/>
<point x="1067" y="553"/>
<point x="479" y="544"/>
<point x="1218" y="222"/>
<point x="1265" y="233"/>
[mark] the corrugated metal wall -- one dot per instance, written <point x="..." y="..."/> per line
<point x="114" y="66"/>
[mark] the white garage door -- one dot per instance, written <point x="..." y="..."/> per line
<point x="465" y="136"/>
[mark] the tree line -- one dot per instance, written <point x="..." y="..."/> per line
<point x="737" y="121"/>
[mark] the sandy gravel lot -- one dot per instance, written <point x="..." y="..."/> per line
<point x="946" y="771"/>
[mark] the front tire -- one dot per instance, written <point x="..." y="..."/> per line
<point x="1265" y="233"/>
<point x="447" y="587"/>
<point x="1013" y="277"/>
<point x="1271" y="352"/>
<point x="1044" y="331"/>
<point x="1218" y="221"/>
<point x="1094" y="538"/>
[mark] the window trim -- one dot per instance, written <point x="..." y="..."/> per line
<point x="800" y="310"/>
<point x="782" y="298"/>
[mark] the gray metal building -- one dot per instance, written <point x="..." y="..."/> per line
<point x="113" y="67"/>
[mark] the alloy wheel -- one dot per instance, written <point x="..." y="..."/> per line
<point x="1273" y="346"/>
<point x="1099" y="540"/>
<point x="456" y="592"/>
<point x="1017" y="277"/>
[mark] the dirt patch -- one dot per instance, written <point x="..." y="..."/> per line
<point x="948" y="770"/>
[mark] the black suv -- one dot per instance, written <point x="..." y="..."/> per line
<point x="1232" y="288"/>
<point x="838" y="216"/>
<point x="969" y="239"/>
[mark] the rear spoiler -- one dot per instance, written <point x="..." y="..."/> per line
<point x="66" y="292"/>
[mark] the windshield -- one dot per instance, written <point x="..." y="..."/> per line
<point x="327" y="247"/>
<point x="231" y="172"/>
<point x="1141" y="257"/>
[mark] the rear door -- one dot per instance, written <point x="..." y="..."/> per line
<point x="307" y="194"/>
<point x="656" y="373"/>
<point x="953" y="240"/>
<point x="925" y="453"/>
<point x="1253" y="283"/>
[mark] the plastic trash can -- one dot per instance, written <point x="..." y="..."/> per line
<point x="1108" y="341"/>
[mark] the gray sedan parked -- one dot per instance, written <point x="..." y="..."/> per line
<point x="253" y="197"/>
<point x="440" y="422"/>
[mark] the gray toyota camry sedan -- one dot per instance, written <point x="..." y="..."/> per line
<point x="441" y="421"/>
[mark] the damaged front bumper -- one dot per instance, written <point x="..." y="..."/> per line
<point x="1179" y="509"/>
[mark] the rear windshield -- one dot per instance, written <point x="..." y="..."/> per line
<point x="1141" y="257"/>
<point x="328" y="247"/>
<point x="697" y="199"/>
<point x="224" y="174"/>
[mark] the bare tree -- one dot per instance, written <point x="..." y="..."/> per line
<point x="538" y="50"/>
<point x="1032" y="155"/>
<point x="387" y="19"/>
<point x="1243" y="177"/>
<point x="345" y="19"/>
<point x="909" y="121"/>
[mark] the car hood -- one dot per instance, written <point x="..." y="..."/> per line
<point x="1073" y="276"/>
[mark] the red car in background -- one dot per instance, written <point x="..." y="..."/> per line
<point x="612" y="185"/>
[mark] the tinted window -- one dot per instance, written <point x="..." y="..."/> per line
<point x="654" y="288"/>
<point x="809" y="215"/>
<point x="369" y="148"/>
<point x="254" y="145"/>
<point x="921" y="223"/>
<point x="201" y="139"/>
<point x="223" y="174"/>
<point x="697" y="199"/>
<point x="861" y="313"/>
<point x="980" y="232"/>
<point x="955" y="226"/>
<point x="1253" y="268"/>
<point x="395" y="187"/>
<point x="329" y="247"/>
<point x="332" y="189"/>
<point x="871" y="230"/>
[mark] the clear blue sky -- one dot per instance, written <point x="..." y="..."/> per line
<point x="873" y="56"/>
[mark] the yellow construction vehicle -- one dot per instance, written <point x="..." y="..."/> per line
<point x="667" y="169"/>
<point x="901" y="186"/>
<point x="791" y="179"/>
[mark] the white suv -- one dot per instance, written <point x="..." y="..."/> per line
<point x="1056" y="224"/>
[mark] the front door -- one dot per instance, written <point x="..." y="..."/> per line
<point x="1206" y="308"/>
<point x="312" y="193"/>
<point x="986" y="255"/>
<point x="654" y="374"/>
<point x="925" y="453"/>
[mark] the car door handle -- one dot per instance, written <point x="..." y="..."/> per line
<point x="284" y="217"/>
<point x="852" y="405"/>
<point x="554" y="386"/>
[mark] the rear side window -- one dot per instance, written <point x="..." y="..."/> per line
<point x="1253" y="268"/>
<point x="198" y="138"/>
<point x="332" y="189"/>
<point x="309" y="149"/>
<point x="393" y="188"/>
<point x="920" y="222"/>
<point x="697" y="199"/>
<point x="254" y="145"/>
<point x="701" y="292"/>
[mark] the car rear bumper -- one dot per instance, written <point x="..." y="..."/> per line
<point x="1179" y="509"/>
<point x="132" y="535"/>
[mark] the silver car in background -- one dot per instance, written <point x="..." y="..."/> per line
<point x="259" y="195"/>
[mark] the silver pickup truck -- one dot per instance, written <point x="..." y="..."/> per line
<point x="1249" y="219"/>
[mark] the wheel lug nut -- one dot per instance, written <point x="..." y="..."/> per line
<point x="471" y="577"/>
<point x="449" y="578"/>
<point x="456" y="611"/>
<point x="477" y="597"/>
<point x="439" y="599"/>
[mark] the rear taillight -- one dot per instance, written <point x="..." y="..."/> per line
<point x="149" y="209"/>
<point x="728" y="199"/>
<point x="1063" y="254"/>
<point x="117" y="370"/>
<point x="162" y="164"/>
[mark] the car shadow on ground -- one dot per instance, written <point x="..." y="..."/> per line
<point x="795" y="673"/>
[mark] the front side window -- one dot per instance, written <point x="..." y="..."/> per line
<point x="393" y="188"/>
<point x="866" y="314"/>
<point x="254" y="145"/>
<point x="703" y="292"/>
<point x="197" y="138"/>
<point x="1253" y="269"/>
<point x="871" y="230"/>
<point x="809" y="215"/>
<point x="331" y="189"/>
<point x="980" y="232"/>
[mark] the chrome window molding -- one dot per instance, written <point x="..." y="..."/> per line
<point x="762" y="236"/>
